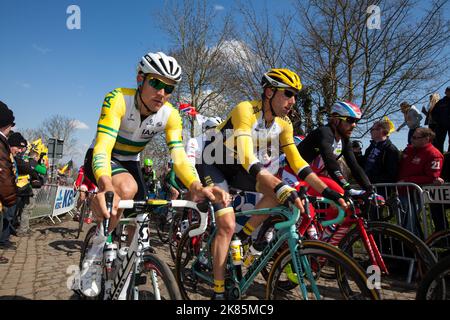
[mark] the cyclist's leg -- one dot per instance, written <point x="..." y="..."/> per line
<point x="225" y="223"/>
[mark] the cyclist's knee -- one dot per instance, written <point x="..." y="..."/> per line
<point x="226" y="221"/>
<point x="126" y="190"/>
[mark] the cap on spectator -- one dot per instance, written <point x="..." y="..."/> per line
<point x="17" y="140"/>
<point x="6" y="116"/>
<point x="447" y="89"/>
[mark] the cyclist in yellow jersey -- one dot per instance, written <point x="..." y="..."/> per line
<point x="254" y="125"/>
<point x="129" y="119"/>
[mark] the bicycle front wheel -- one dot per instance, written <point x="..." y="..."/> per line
<point x="318" y="256"/>
<point x="155" y="280"/>
<point x="407" y="258"/>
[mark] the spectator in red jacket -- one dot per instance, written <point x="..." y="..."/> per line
<point x="421" y="164"/>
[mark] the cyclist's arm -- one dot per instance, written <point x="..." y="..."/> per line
<point x="173" y="180"/>
<point x="356" y="170"/>
<point x="242" y="119"/>
<point x="287" y="145"/>
<point x="113" y="110"/>
<point x="183" y="168"/>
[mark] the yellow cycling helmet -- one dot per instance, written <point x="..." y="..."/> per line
<point x="281" y="78"/>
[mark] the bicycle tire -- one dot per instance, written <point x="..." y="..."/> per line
<point x="86" y="244"/>
<point x="191" y="287"/>
<point x="81" y="218"/>
<point x="395" y="239"/>
<point x="435" y="284"/>
<point x="316" y="251"/>
<point x="84" y="249"/>
<point x="173" y="237"/>
<point x="439" y="243"/>
<point x="169" y="289"/>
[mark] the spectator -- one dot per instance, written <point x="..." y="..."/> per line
<point x="17" y="144"/>
<point x="28" y="180"/>
<point x="8" y="189"/>
<point x="441" y="115"/>
<point x="434" y="98"/>
<point x="421" y="164"/>
<point x="357" y="150"/>
<point x="381" y="159"/>
<point x="412" y="118"/>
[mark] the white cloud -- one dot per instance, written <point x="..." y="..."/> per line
<point x="24" y="85"/>
<point x="218" y="7"/>
<point x="40" y="49"/>
<point x="77" y="124"/>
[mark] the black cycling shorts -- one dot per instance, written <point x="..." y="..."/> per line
<point x="117" y="167"/>
<point x="226" y="176"/>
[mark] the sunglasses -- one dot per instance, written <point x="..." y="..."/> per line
<point x="349" y="119"/>
<point x="288" y="93"/>
<point x="158" y="85"/>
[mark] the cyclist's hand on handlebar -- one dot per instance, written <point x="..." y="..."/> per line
<point x="213" y="193"/>
<point x="335" y="196"/>
<point x="287" y="195"/>
<point x="99" y="202"/>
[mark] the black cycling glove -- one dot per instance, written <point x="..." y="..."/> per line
<point x="285" y="194"/>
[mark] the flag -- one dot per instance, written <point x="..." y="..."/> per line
<point x="65" y="168"/>
<point x="391" y="124"/>
<point x="186" y="108"/>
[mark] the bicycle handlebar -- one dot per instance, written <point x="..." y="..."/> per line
<point x="341" y="213"/>
<point x="201" y="208"/>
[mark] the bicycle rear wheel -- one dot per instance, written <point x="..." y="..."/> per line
<point x="439" y="243"/>
<point x="188" y="267"/>
<point x="319" y="255"/>
<point x="436" y="283"/>
<point x="83" y="212"/>
<point x="406" y="257"/>
<point x="155" y="280"/>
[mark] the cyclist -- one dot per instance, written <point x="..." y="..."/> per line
<point x="83" y="184"/>
<point x="194" y="146"/>
<point x="149" y="175"/>
<point x="129" y="119"/>
<point x="323" y="148"/>
<point x="255" y="124"/>
<point x="173" y="185"/>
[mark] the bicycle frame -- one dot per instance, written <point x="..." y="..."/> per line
<point x="341" y="230"/>
<point x="140" y="243"/>
<point x="286" y="231"/>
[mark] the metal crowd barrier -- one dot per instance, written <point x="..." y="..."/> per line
<point x="45" y="198"/>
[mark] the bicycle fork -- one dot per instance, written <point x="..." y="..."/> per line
<point x="371" y="247"/>
<point x="301" y="266"/>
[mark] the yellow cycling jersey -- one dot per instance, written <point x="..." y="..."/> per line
<point x="250" y="135"/>
<point x="122" y="134"/>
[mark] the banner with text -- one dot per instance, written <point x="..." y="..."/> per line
<point x="437" y="194"/>
<point x="64" y="200"/>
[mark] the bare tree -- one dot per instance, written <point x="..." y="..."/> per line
<point x="198" y="35"/>
<point x="341" y="58"/>
<point x="258" y="46"/>
<point x="59" y="127"/>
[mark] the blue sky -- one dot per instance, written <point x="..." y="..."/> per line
<point x="46" y="69"/>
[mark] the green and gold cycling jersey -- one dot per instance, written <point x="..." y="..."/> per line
<point x="122" y="134"/>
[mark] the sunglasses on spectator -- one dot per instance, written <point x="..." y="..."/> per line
<point x="349" y="119"/>
<point x="288" y="93"/>
<point x="158" y="85"/>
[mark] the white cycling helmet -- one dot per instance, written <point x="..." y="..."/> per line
<point x="161" y="64"/>
<point x="346" y="109"/>
<point x="212" y="122"/>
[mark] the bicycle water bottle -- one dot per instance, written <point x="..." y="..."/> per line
<point x="312" y="232"/>
<point x="328" y="232"/>
<point x="110" y="254"/>
<point x="236" y="254"/>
